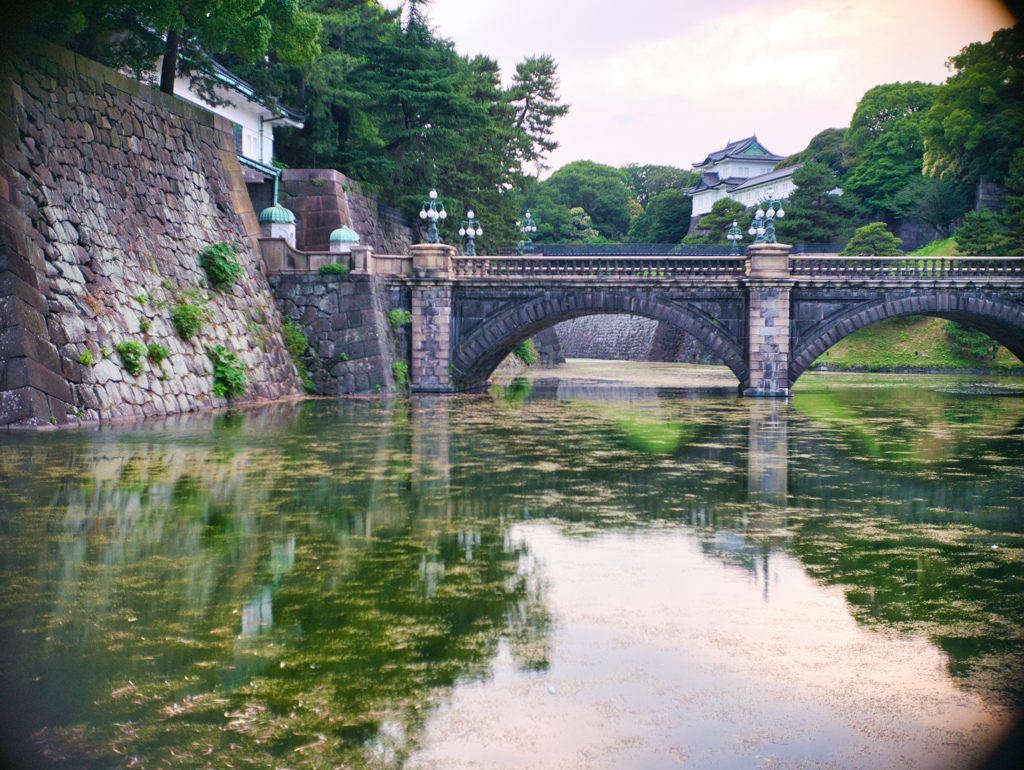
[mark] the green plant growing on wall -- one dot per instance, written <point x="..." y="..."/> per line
<point x="144" y="325"/>
<point x="334" y="269"/>
<point x="157" y="353"/>
<point x="397" y="319"/>
<point x="105" y="351"/>
<point x="141" y="299"/>
<point x="131" y="354"/>
<point x="526" y="352"/>
<point x="86" y="358"/>
<point x="229" y="380"/>
<point x="220" y="265"/>
<point x="400" y="369"/>
<point x="188" y="319"/>
<point x="295" y="341"/>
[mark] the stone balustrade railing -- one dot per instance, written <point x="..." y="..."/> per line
<point x="598" y="267"/>
<point x="770" y="261"/>
<point x="906" y="267"/>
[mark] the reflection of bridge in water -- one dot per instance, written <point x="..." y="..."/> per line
<point x="767" y="316"/>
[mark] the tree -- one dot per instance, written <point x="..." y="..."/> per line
<point x="977" y="121"/>
<point x="813" y="213"/>
<point x="981" y="235"/>
<point x="534" y="95"/>
<point x="885" y="136"/>
<point x="873" y="240"/>
<point x="582" y="227"/>
<point x="645" y="182"/>
<point x="600" y="190"/>
<point x="828" y="147"/>
<point x="668" y="216"/>
<point x="934" y="201"/>
<point x="1013" y="215"/>
<point x="714" y="226"/>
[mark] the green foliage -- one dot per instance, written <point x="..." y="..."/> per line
<point x="715" y="225"/>
<point x="982" y="234"/>
<point x="131" y="34"/>
<point x="218" y="260"/>
<point x="334" y="268"/>
<point x="971" y="342"/>
<point x="526" y="351"/>
<point x="86" y="358"/>
<point x="157" y="353"/>
<point x="873" y="240"/>
<point x="105" y="351"/>
<point x="813" y="214"/>
<point x="188" y="319"/>
<point x="144" y="325"/>
<point x="668" y="217"/>
<point x="400" y="370"/>
<point x="976" y="123"/>
<point x="600" y="191"/>
<point x="297" y="344"/>
<point x="132" y="354"/>
<point x="397" y="319"/>
<point x="934" y="201"/>
<point x="141" y="298"/>
<point x="886" y="140"/>
<point x="646" y="182"/>
<point x="945" y="248"/>
<point x="828" y="147"/>
<point x="229" y="380"/>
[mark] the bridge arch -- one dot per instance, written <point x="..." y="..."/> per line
<point x="477" y="356"/>
<point x="999" y="318"/>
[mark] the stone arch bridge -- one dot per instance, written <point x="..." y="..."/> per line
<point x="768" y="316"/>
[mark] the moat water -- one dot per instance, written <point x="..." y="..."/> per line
<point x="583" y="568"/>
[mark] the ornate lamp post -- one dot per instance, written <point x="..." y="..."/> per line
<point x="433" y="213"/>
<point x="763" y="225"/>
<point x="527" y="226"/>
<point x="735" y="235"/>
<point x="469" y="229"/>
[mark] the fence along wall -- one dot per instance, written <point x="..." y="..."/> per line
<point x="108" y="191"/>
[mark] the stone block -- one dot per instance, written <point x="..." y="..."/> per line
<point x="25" y="407"/>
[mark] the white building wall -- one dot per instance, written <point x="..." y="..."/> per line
<point x="257" y="145"/>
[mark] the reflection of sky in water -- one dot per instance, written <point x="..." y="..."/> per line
<point x="664" y="654"/>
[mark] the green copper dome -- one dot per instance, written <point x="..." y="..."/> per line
<point x="344" y="235"/>
<point x="277" y="213"/>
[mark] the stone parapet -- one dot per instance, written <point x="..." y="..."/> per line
<point x="432" y="260"/>
<point x="769" y="260"/>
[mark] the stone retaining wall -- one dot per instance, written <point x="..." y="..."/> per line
<point x="109" y="189"/>
<point x="324" y="199"/>
<point x="629" y="338"/>
<point x="345" y="320"/>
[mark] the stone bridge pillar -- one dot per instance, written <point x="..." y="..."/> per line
<point x="431" y="318"/>
<point x="768" y="287"/>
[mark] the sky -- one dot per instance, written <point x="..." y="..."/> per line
<point x="669" y="81"/>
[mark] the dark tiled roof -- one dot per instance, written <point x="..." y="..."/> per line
<point x="739" y="150"/>
<point x="771" y="176"/>
<point x="710" y="180"/>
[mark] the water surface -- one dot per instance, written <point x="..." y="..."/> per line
<point x="561" y="573"/>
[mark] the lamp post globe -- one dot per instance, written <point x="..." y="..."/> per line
<point x="528" y="226"/>
<point x="433" y="210"/>
<point x="470" y="228"/>
<point x="735" y="235"/>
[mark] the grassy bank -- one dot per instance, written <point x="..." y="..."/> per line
<point x="913" y="342"/>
